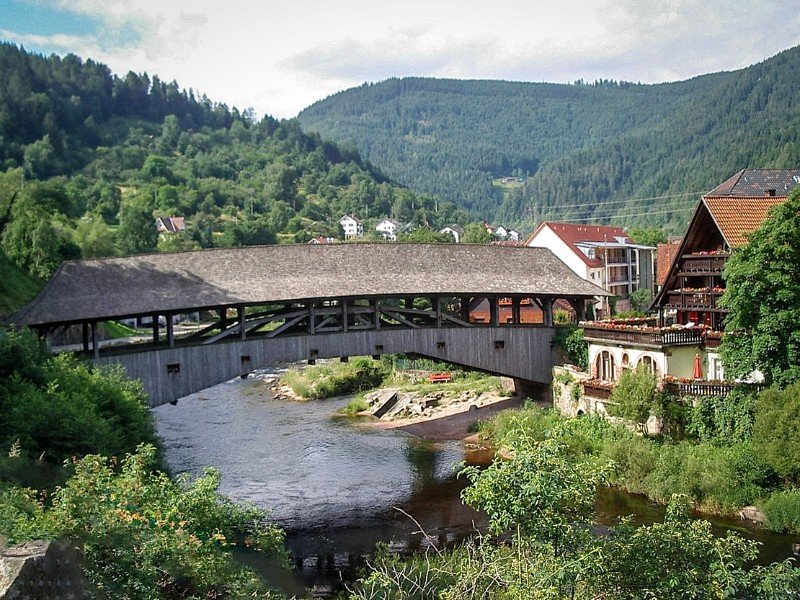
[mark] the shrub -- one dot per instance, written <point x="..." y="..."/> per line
<point x="782" y="510"/>
<point x="776" y="430"/>
<point x="145" y="536"/>
<point x="722" y="420"/>
<point x="635" y="458"/>
<point x="717" y="479"/>
<point x="570" y="340"/>
<point x="62" y="407"/>
<point x="336" y="379"/>
<point x="634" y="397"/>
<point x="355" y="406"/>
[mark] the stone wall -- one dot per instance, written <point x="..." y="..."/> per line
<point x="39" y="570"/>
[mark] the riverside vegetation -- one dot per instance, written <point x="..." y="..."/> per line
<point x="144" y="535"/>
<point x="362" y="374"/>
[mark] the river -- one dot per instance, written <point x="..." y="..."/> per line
<point x="338" y="487"/>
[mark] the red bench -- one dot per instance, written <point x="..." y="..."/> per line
<point x="440" y="377"/>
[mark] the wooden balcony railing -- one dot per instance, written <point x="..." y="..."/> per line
<point x="707" y="300"/>
<point x="700" y="388"/>
<point x="697" y="265"/>
<point x="649" y="336"/>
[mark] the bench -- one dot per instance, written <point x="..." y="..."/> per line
<point x="440" y="377"/>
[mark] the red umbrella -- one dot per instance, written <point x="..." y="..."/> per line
<point x="698" y="367"/>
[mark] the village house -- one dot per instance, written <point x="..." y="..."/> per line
<point x="170" y="224"/>
<point x="352" y="227"/>
<point x="453" y="230"/>
<point x="681" y="343"/>
<point x="388" y="229"/>
<point x="603" y="255"/>
<point x="322" y="240"/>
<point x="502" y="233"/>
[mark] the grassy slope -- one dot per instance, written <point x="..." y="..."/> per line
<point x="16" y="287"/>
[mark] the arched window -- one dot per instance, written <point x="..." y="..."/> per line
<point x="650" y="363"/>
<point x="605" y="366"/>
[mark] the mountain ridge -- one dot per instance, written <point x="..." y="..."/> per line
<point x="591" y="143"/>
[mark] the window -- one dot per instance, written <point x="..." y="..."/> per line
<point x="650" y="363"/>
<point x="605" y="366"/>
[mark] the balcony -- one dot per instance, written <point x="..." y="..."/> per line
<point x="703" y="264"/>
<point x="642" y="332"/>
<point x="700" y="388"/>
<point x="695" y="299"/>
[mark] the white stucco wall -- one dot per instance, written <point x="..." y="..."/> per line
<point x="634" y="357"/>
<point x="545" y="238"/>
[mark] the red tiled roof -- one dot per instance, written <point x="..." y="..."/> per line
<point x="664" y="257"/>
<point x="738" y="216"/>
<point x="572" y="234"/>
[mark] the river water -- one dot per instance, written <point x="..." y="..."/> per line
<point x="338" y="487"/>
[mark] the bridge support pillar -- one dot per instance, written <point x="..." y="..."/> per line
<point x="312" y="318"/>
<point x="547" y="307"/>
<point x="85" y="335"/>
<point x="95" y="340"/>
<point x="242" y="329"/>
<point x="579" y="306"/>
<point x="376" y="316"/>
<point x="464" y="306"/>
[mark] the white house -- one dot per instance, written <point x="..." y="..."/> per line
<point x="606" y="256"/>
<point x="453" y="230"/>
<point x="388" y="228"/>
<point x="352" y="227"/>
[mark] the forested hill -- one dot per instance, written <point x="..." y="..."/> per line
<point x="593" y="145"/>
<point x="88" y="160"/>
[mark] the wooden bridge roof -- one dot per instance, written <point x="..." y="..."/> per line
<point x="107" y="288"/>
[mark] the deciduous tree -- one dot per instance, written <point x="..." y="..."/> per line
<point x="762" y="330"/>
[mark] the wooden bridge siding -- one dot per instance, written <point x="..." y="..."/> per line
<point x="525" y="354"/>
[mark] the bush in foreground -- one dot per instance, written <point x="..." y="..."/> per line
<point x="144" y="535"/>
<point x="61" y="407"/>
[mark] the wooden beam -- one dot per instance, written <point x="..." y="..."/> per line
<point x="170" y="331"/>
<point x="156" y="334"/>
<point x="344" y="314"/>
<point x="493" y="321"/>
<point x="242" y="329"/>
<point x="395" y="316"/>
<point x="285" y="326"/>
<point x="95" y="340"/>
<point x="85" y="335"/>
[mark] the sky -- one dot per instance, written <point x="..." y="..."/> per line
<point x="279" y="57"/>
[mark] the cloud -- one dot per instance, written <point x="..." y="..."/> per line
<point x="281" y="56"/>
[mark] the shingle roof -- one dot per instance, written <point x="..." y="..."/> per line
<point x="757" y="183"/>
<point x="139" y="285"/>
<point x="737" y="216"/>
<point x="665" y="255"/>
<point x="572" y="234"/>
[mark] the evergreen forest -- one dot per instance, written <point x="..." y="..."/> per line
<point x="608" y="151"/>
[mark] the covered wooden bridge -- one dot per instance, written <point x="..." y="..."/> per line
<point x="303" y="302"/>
